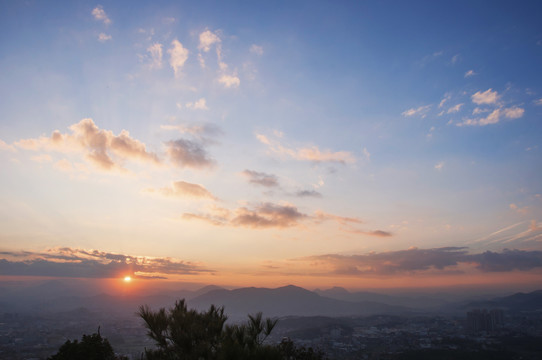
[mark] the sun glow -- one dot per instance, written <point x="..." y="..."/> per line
<point x="127" y="279"/>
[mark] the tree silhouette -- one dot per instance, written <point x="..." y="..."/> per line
<point x="182" y="334"/>
<point x="91" y="347"/>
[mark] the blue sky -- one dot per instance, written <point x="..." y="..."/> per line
<point x="273" y="142"/>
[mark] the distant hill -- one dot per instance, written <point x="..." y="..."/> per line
<point x="519" y="302"/>
<point x="285" y="301"/>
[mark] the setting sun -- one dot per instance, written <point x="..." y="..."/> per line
<point x="127" y="279"/>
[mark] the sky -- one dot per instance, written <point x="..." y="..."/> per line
<point x="363" y="144"/>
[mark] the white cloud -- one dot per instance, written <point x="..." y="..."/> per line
<point x="469" y="73"/>
<point x="538" y="102"/>
<point x="198" y="105"/>
<point x="514" y="112"/>
<point x="422" y="111"/>
<point x="207" y="39"/>
<point x="156" y="56"/>
<point x="439" y="166"/>
<point x="256" y="49"/>
<point x="99" y="14"/>
<point x="104" y="37"/>
<point x="494" y="117"/>
<point x="487" y="97"/>
<point x="229" y="81"/>
<point x="454" y="109"/>
<point x="178" y="56"/>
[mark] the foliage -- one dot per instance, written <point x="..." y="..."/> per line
<point x="91" y="347"/>
<point x="182" y="334"/>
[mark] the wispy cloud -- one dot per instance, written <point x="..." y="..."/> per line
<point x="469" y="73"/>
<point x="229" y="81"/>
<point x="416" y="260"/>
<point x="79" y="263"/>
<point x="155" y="51"/>
<point x="259" y="216"/>
<point x="420" y="111"/>
<point x="200" y="104"/>
<point x="260" y="178"/>
<point x="312" y="153"/>
<point x="102" y="37"/>
<point x="197" y="130"/>
<point x="256" y="49"/>
<point x="454" y="109"/>
<point x="308" y="193"/>
<point x="183" y="189"/>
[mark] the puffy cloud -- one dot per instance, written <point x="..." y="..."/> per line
<point x="186" y="153"/>
<point x="538" y="102"/>
<point x="487" y="97"/>
<point x="79" y="263"/>
<point x="197" y="105"/>
<point x="514" y="112"/>
<point x="207" y="39"/>
<point x="421" y="111"/>
<point x="439" y="166"/>
<point x="256" y="49"/>
<point x="229" y="81"/>
<point x="104" y="149"/>
<point x="99" y="14"/>
<point x="455" y="58"/>
<point x="469" y="73"/>
<point x="155" y="51"/>
<point x="178" y="56"/>
<point x="259" y="178"/>
<point x="523" y="210"/>
<point x="102" y="37"/>
<point x="184" y="189"/>
<point x="454" y="109"/>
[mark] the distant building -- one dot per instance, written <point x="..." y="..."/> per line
<point x="483" y="320"/>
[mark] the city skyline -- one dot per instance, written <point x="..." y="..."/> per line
<point x="361" y="144"/>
